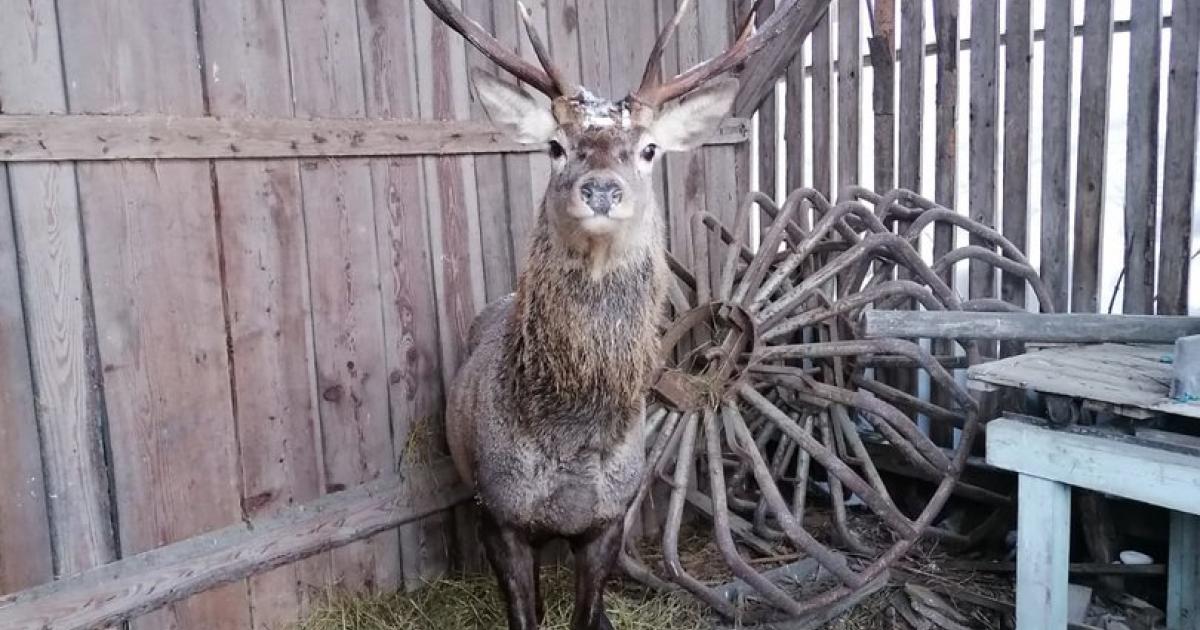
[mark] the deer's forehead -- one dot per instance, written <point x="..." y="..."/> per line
<point x="586" y="113"/>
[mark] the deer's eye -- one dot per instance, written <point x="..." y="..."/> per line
<point x="556" y="150"/>
<point x="649" y="152"/>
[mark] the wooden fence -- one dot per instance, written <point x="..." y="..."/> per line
<point x="233" y="279"/>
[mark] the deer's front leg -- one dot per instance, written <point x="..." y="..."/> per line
<point x="595" y="556"/>
<point x="512" y="558"/>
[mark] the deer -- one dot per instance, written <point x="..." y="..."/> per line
<point x="544" y="418"/>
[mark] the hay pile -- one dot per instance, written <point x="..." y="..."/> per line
<point x="473" y="603"/>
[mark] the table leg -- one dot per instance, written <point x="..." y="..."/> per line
<point x="1183" y="573"/>
<point x="1043" y="553"/>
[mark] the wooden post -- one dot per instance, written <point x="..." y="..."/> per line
<point x="1183" y="573"/>
<point x="1043" y="552"/>
<point x="1018" y="52"/>
<point x="984" y="112"/>
<point x="1141" y="156"/>
<point x="1179" y="161"/>
<point x="1056" y="152"/>
<point x="849" y="66"/>
<point x="822" y="108"/>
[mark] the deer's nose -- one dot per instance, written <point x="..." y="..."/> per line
<point x="601" y="194"/>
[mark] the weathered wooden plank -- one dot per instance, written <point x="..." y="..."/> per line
<point x="1043" y="552"/>
<point x="1141" y="157"/>
<point x="60" y="323"/>
<point x="266" y="277"/>
<point x="499" y="265"/>
<point x="1091" y="148"/>
<point x="822" y="107"/>
<point x="883" y="101"/>
<point x="1101" y="463"/>
<point x="849" y="67"/>
<point x="768" y="128"/>
<point x="1128" y="380"/>
<point x="348" y="336"/>
<point x="1179" y="162"/>
<point x="684" y="174"/>
<point x="984" y="112"/>
<point x="26" y="557"/>
<point x="723" y="193"/>
<point x="1018" y="54"/>
<point x="27" y="138"/>
<point x="136" y="585"/>
<point x="912" y="93"/>
<point x="414" y="365"/>
<point x="1056" y="153"/>
<point x="945" y="21"/>
<point x="1183" y="576"/>
<point x="592" y="29"/>
<point x="454" y="231"/>
<point x="1045" y="327"/>
<point x="794" y="132"/>
<point x="153" y="256"/>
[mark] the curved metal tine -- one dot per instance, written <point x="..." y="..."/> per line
<point x="834" y="562"/>
<point x="670" y="542"/>
<point x="935" y="412"/>
<point x="842" y="421"/>
<point x="1022" y="270"/>
<point x="803" y="465"/>
<point x="739" y="476"/>
<point x="846" y="306"/>
<point x="658" y="459"/>
<point x="784" y="451"/>
<point x="641" y="573"/>
<point x="741" y="226"/>
<point x="769" y="314"/>
<point x="837" y="496"/>
<point x="832" y="464"/>
<point x="721" y="231"/>
<point x="678" y="298"/>
<point x="802" y="250"/>
<point x="724" y="536"/>
<point x="766" y="253"/>
<point x="702" y="263"/>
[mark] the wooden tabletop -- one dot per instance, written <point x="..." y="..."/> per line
<point x="1124" y="376"/>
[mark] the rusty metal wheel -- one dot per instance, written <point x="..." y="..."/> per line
<point x="769" y="391"/>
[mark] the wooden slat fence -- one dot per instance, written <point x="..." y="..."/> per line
<point x="238" y="268"/>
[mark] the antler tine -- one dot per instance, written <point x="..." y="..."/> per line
<point x="748" y="42"/>
<point x="650" y="78"/>
<point x="487" y="44"/>
<point x="543" y="54"/>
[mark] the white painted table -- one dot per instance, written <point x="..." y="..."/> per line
<point x="1049" y="462"/>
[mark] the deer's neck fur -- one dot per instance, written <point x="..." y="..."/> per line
<point x="583" y="339"/>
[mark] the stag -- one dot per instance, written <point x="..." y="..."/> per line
<point x="545" y="417"/>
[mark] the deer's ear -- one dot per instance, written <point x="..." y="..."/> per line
<point x="691" y="121"/>
<point x="514" y="111"/>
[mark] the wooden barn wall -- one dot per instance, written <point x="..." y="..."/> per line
<point x="185" y="344"/>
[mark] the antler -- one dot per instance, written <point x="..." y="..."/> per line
<point x="654" y="93"/>
<point x="548" y="79"/>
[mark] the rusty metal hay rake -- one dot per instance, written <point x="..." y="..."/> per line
<point x="766" y="383"/>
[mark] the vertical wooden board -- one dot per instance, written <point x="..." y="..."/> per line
<point x="1056" y="153"/>
<point x="153" y="260"/>
<point x="414" y="368"/>
<point x="266" y="290"/>
<point x="440" y="59"/>
<point x="25" y="553"/>
<point x="1141" y="157"/>
<point x="822" y="106"/>
<point x="348" y="335"/>
<point x="631" y="34"/>
<point x="793" y="123"/>
<point x="61" y="328"/>
<point x="496" y="243"/>
<point x="592" y="21"/>
<point x="912" y="93"/>
<point x="768" y="158"/>
<point x="1179" y="162"/>
<point x="945" y="117"/>
<point x="849" y="67"/>
<point x="1183" y="572"/>
<point x="883" y="97"/>
<point x="984" y="111"/>
<point x="1015" y="204"/>
<point x="722" y="194"/>
<point x="685" y="173"/>
<point x="1092" y="146"/>
<point x="526" y="176"/>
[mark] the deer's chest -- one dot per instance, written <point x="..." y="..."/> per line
<point x="563" y="488"/>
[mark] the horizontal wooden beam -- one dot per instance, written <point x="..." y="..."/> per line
<point x="112" y="593"/>
<point x="1045" y="327"/>
<point x="1116" y="465"/>
<point x="95" y="137"/>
